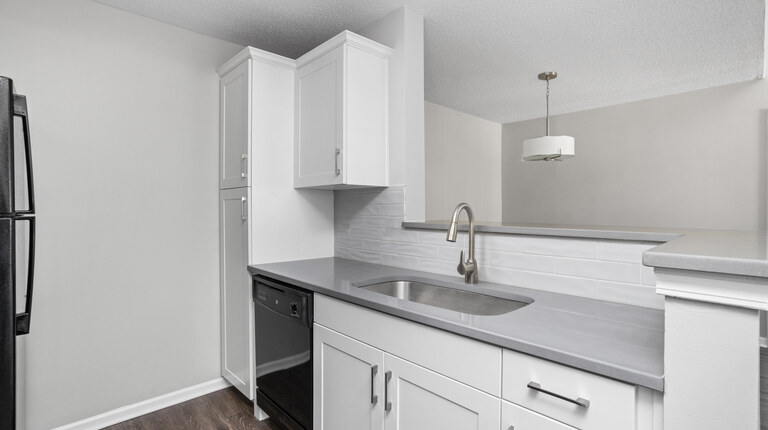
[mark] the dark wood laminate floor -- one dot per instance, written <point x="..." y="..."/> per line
<point x="225" y="409"/>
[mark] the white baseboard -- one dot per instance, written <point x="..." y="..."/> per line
<point x="144" y="407"/>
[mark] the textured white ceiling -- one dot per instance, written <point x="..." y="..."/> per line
<point x="482" y="57"/>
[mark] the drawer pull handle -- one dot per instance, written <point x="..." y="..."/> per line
<point x="584" y="403"/>
<point x="374" y="371"/>
<point x="387" y="403"/>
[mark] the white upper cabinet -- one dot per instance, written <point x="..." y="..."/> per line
<point x="341" y="115"/>
<point x="235" y="90"/>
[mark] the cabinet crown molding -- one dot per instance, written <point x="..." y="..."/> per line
<point x="256" y="54"/>
<point x="349" y="38"/>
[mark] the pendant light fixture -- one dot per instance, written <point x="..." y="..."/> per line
<point x="548" y="147"/>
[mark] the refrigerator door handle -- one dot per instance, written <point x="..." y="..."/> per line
<point x="23" y="319"/>
<point x="20" y="109"/>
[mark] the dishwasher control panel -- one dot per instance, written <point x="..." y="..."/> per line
<point x="287" y="302"/>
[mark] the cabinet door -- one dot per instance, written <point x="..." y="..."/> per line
<point x="424" y="400"/>
<point x="319" y="121"/>
<point x="347" y="383"/>
<point x="235" y="127"/>
<point x="514" y="417"/>
<point x="236" y="302"/>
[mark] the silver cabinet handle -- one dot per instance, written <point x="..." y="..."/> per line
<point x="374" y="371"/>
<point x="244" y="166"/>
<point x="387" y="403"/>
<point x="584" y="403"/>
<point x="243" y="209"/>
<point x="336" y="161"/>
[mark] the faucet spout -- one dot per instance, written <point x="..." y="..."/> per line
<point x="467" y="268"/>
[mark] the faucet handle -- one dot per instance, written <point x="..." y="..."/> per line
<point x="462" y="267"/>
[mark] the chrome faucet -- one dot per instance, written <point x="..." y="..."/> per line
<point x="467" y="268"/>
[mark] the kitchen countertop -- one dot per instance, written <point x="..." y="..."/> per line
<point x="615" y="340"/>
<point x="726" y="252"/>
<point x="561" y="230"/>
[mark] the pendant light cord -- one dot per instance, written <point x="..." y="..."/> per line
<point x="547" y="107"/>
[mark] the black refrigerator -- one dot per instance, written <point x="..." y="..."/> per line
<point x="17" y="241"/>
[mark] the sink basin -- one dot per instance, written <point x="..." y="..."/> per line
<point x="467" y="302"/>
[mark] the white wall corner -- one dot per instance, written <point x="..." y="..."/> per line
<point x="415" y="203"/>
<point x="403" y="31"/>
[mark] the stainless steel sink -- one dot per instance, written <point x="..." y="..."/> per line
<point x="467" y="302"/>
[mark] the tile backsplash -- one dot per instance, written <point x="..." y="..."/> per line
<point x="368" y="228"/>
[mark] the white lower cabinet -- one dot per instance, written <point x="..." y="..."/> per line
<point x="514" y="417"/>
<point x="424" y="400"/>
<point x="236" y="303"/>
<point x="379" y="372"/>
<point x="360" y="387"/>
<point x="345" y="382"/>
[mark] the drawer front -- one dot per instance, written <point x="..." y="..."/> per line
<point x="536" y="384"/>
<point x="514" y="417"/>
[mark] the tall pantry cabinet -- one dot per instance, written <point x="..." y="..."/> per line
<point x="262" y="218"/>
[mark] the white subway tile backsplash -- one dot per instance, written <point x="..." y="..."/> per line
<point x="558" y="247"/>
<point x="437" y="266"/>
<point x="530" y="262"/>
<point x="368" y="227"/>
<point x="349" y="242"/>
<point x="402" y="248"/>
<point x="386" y="196"/>
<point x="500" y="275"/>
<point x="439" y="238"/>
<point x="366" y="232"/>
<point x="347" y="221"/>
<point x="364" y="255"/>
<point x="383" y="210"/>
<point x="648" y="276"/>
<point x="498" y="242"/>
<point x="561" y="284"/>
<point x="382" y="221"/>
<point x="397" y="235"/>
<point x="628" y="293"/>
<point x="604" y="270"/>
<point x="450" y="254"/>
<point x="626" y="252"/>
<point x="341" y="252"/>
<point x="400" y="261"/>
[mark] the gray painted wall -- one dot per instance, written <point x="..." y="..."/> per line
<point x="693" y="160"/>
<point x="462" y="163"/>
<point x="124" y="124"/>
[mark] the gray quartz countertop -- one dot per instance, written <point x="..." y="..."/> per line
<point x="727" y="252"/>
<point x="618" y="341"/>
<point x="561" y="230"/>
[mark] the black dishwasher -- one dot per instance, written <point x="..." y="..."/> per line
<point x="283" y="316"/>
